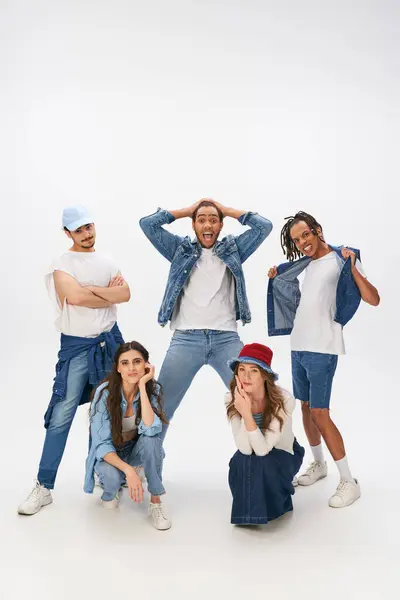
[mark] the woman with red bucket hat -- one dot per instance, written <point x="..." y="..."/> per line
<point x="268" y="455"/>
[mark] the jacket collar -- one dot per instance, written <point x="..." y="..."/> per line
<point x="124" y="401"/>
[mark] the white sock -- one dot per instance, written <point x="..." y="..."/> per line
<point x="344" y="470"/>
<point x="318" y="453"/>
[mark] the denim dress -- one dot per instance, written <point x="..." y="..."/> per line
<point x="262" y="486"/>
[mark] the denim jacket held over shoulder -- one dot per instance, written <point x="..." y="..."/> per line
<point x="183" y="253"/>
<point x="283" y="295"/>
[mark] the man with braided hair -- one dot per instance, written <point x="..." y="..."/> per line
<point x="333" y="286"/>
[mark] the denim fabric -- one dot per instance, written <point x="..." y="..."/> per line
<point x="100" y="352"/>
<point x="61" y="419"/>
<point x="146" y="451"/>
<point x="100" y="442"/>
<point x="183" y="253"/>
<point x="262" y="486"/>
<point x="312" y="375"/>
<point x="190" y="350"/>
<point x="283" y="295"/>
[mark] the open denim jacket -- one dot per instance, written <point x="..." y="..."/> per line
<point x="283" y="295"/>
<point x="183" y="253"/>
<point x="100" y="439"/>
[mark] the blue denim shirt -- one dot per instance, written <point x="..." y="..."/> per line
<point x="101" y="351"/>
<point x="100" y="430"/>
<point x="283" y="295"/>
<point x="183" y="253"/>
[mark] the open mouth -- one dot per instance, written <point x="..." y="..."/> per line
<point x="208" y="237"/>
<point x="307" y="249"/>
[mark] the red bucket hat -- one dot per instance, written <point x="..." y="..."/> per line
<point x="256" y="354"/>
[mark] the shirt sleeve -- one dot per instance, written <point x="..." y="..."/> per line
<point x="156" y="427"/>
<point x="238" y="430"/>
<point x="100" y="426"/>
<point x="60" y="264"/>
<point x="263" y="442"/>
<point x="360" y="268"/>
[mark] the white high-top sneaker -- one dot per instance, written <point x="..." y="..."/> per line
<point x="112" y="504"/>
<point x="346" y="493"/>
<point x="159" y="516"/>
<point x="295" y="482"/>
<point x="315" y="471"/>
<point x="39" y="496"/>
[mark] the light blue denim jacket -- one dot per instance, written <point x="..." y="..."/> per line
<point x="100" y="430"/>
<point x="183" y="253"/>
<point x="283" y="295"/>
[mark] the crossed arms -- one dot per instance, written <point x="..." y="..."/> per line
<point x="91" y="296"/>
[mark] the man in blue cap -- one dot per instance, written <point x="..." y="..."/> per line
<point x="84" y="287"/>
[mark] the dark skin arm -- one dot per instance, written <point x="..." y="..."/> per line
<point x="368" y="292"/>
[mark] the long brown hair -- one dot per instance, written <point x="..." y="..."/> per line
<point x="275" y="403"/>
<point x="114" y="385"/>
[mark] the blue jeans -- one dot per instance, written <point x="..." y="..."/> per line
<point x="147" y="451"/>
<point x="61" y="419"/>
<point x="190" y="350"/>
<point x="312" y="375"/>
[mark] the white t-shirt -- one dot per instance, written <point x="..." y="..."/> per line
<point x="314" y="328"/>
<point x="207" y="300"/>
<point x="88" y="268"/>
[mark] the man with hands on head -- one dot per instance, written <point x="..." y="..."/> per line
<point x="205" y="294"/>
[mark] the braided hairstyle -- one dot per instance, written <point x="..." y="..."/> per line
<point x="287" y="244"/>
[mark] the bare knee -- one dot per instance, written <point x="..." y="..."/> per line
<point x="320" y="417"/>
<point x="305" y="409"/>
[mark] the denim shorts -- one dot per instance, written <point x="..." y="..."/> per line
<point x="312" y="375"/>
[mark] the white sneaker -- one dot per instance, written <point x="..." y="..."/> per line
<point x="158" y="514"/>
<point x="295" y="482"/>
<point x="39" y="496"/>
<point x="315" y="471"/>
<point x="112" y="504"/>
<point x="346" y="493"/>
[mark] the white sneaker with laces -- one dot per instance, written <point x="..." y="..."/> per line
<point x="295" y="482"/>
<point x="346" y="493"/>
<point x="39" y="496"/>
<point x="158" y="515"/>
<point x="315" y="471"/>
<point x="112" y="504"/>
